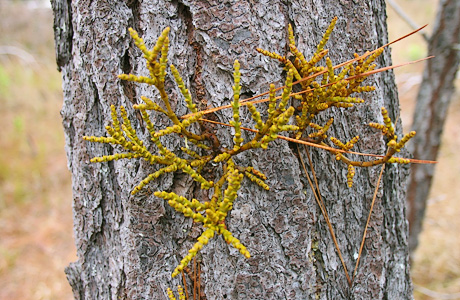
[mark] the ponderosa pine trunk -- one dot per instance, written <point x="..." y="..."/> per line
<point x="128" y="245"/>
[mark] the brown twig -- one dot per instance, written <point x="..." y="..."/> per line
<point x="243" y="103"/>
<point x="417" y="161"/>
<point x="320" y="203"/>
<point x="199" y="282"/>
<point x="194" y="278"/>
<point x="248" y="100"/>
<point x="185" y="285"/>
<point x="368" y="220"/>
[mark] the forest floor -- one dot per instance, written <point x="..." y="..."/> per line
<point x="36" y="241"/>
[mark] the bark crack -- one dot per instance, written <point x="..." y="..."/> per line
<point x="128" y="86"/>
<point x="134" y="5"/>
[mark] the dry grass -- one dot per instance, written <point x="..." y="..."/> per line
<point x="35" y="194"/>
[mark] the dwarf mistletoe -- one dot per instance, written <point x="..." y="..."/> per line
<point x="288" y="116"/>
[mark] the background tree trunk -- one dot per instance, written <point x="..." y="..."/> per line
<point x="433" y="101"/>
<point x="129" y="245"/>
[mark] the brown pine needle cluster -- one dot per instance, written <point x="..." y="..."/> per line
<point x="322" y="87"/>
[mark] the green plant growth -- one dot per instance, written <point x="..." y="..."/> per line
<point x="322" y="88"/>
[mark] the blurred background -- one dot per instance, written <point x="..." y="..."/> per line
<point x="36" y="240"/>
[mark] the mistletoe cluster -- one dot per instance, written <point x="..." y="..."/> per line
<point x="321" y="88"/>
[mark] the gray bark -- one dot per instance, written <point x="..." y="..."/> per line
<point x="128" y="245"/>
<point x="433" y="101"/>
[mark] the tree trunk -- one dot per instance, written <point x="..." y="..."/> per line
<point x="128" y="245"/>
<point x="433" y="101"/>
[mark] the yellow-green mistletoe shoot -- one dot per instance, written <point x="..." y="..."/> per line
<point x="322" y="87"/>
